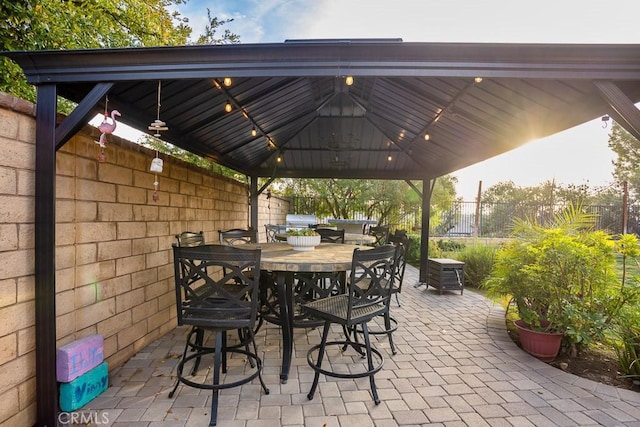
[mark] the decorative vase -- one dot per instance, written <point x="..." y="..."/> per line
<point x="303" y="243"/>
<point x="543" y="345"/>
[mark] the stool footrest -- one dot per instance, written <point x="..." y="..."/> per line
<point x="371" y="372"/>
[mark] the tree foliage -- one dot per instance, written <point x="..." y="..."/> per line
<point x="505" y="200"/>
<point x="79" y="24"/>
<point x="186" y="156"/>
<point x="627" y="148"/>
<point x="382" y="200"/>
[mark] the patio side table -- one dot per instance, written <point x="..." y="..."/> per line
<point x="446" y="274"/>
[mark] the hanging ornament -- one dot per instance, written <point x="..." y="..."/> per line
<point x="156" y="164"/>
<point x="156" y="167"/>
<point x="106" y="128"/>
<point x="156" y="196"/>
<point x="158" y="125"/>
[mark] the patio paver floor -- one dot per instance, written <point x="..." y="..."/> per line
<point x="455" y="366"/>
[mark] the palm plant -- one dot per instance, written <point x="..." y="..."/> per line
<point x="560" y="276"/>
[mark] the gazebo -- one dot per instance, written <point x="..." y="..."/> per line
<point x="369" y="109"/>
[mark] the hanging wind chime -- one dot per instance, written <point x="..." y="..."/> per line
<point x="106" y="128"/>
<point x="156" y="164"/>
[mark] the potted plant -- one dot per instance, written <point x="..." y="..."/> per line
<point x="560" y="277"/>
<point x="304" y="239"/>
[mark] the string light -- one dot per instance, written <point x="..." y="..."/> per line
<point x="254" y="132"/>
<point x="427" y="137"/>
<point x="348" y="80"/>
<point x="227" y="81"/>
<point x="228" y="107"/>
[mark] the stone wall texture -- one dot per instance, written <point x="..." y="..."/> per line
<point x="114" y="272"/>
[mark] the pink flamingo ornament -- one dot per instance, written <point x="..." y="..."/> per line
<point x="107" y="128"/>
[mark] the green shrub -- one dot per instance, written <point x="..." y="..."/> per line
<point x="413" y="257"/>
<point x="628" y="348"/>
<point x="449" y="246"/>
<point x="563" y="273"/>
<point x="478" y="262"/>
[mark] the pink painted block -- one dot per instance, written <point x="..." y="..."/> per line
<point x="78" y="357"/>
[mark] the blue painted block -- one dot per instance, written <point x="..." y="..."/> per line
<point x="78" y="357"/>
<point x="84" y="389"/>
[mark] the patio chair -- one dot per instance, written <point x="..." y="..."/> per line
<point x="237" y="236"/>
<point x="209" y="303"/>
<point x="381" y="233"/>
<point x="190" y="238"/>
<point x="403" y="242"/>
<point x="271" y="230"/>
<point x="240" y="236"/>
<point x="369" y="290"/>
<point x="390" y="324"/>
<point x="329" y="235"/>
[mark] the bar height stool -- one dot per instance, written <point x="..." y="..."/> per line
<point x="210" y="303"/>
<point x="368" y="294"/>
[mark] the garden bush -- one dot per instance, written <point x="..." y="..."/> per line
<point x="628" y="348"/>
<point x="413" y="257"/>
<point x="478" y="262"/>
<point x="449" y="246"/>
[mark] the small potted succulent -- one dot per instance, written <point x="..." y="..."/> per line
<point x="305" y="239"/>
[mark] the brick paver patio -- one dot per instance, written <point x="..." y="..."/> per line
<point x="455" y="366"/>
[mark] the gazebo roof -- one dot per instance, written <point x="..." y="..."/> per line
<point x="295" y="96"/>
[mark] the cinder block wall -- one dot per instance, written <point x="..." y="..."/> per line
<point x="113" y="245"/>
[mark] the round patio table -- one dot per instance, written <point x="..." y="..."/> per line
<point x="282" y="261"/>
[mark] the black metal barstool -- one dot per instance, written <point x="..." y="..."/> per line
<point x="329" y="235"/>
<point x="389" y="323"/>
<point x="367" y="296"/>
<point x="217" y="303"/>
<point x="381" y="234"/>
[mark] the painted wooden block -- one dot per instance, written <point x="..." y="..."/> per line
<point x="84" y="389"/>
<point x="78" y="357"/>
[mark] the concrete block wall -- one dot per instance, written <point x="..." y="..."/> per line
<point x="114" y="272"/>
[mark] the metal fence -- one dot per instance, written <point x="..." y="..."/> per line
<point x="493" y="219"/>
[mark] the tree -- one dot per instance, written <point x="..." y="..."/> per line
<point x="505" y="200"/>
<point x="627" y="147"/>
<point x="383" y="200"/>
<point x="77" y="24"/>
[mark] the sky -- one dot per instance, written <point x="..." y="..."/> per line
<point x="576" y="156"/>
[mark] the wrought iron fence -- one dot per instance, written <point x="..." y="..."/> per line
<point x="493" y="219"/>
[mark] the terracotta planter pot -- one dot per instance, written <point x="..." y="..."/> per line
<point x="543" y="345"/>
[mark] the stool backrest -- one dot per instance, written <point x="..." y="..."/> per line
<point x="190" y="238"/>
<point x="237" y="236"/>
<point x="329" y="235"/>
<point x="226" y="300"/>
<point x="403" y="242"/>
<point x="371" y="279"/>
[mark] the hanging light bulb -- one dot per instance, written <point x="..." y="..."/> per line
<point x="228" y="107"/>
<point x="348" y="80"/>
<point x="254" y="132"/>
<point x="389" y="157"/>
<point x="478" y="80"/>
<point x="427" y="137"/>
<point x="279" y="158"/>
<point x="227" y="81"/>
